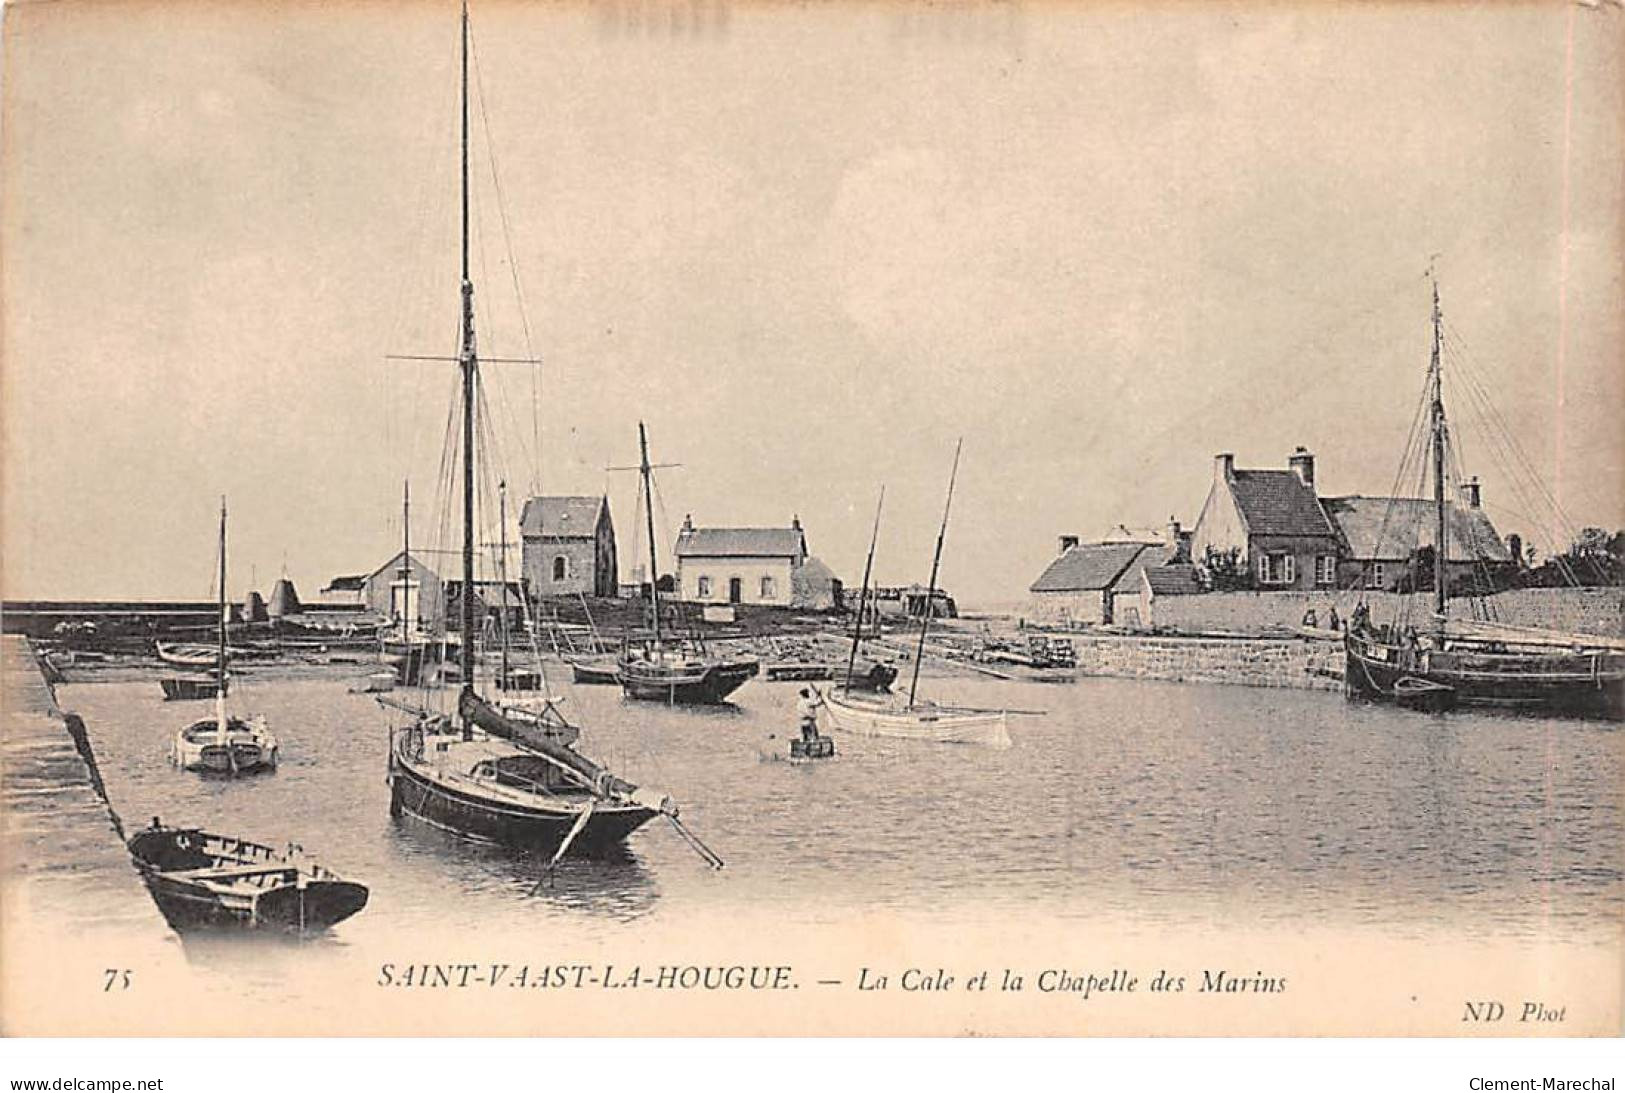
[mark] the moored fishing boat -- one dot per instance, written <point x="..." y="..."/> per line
<point x="508" y="775"/>
<point x="680" y="673"/>
<point x="916" y="721"/>
<point x="1446" y="662"/>
<point x="908" y="719"/>
<point x="223" y="744"/>
<point x="203" y="880"/>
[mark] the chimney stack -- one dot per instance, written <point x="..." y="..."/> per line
<point x="1303" y="461"/>
<point x="1515" y="548"/>
<point x="688" y="521"/>
<point x="1173" y="531"/>
<point x="1471" y="493"/>
<point x="795" y="521"/>
<point x="1067" y="543"/>
<point x="1224" y="466"/>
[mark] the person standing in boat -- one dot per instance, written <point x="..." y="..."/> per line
<point x="807" y="709"/>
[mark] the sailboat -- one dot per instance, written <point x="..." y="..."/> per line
<point x="1449" y="662"/>
<point x="223" y="744"/>
<point x="872" y="675"/>
<point x="506" y="775"/>
<point x="913" y="720"/>
<point x="678" y="673"/>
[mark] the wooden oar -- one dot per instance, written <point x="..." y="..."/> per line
<point x="699" y="848"/>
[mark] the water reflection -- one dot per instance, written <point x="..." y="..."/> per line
<point x="614" y="885"/>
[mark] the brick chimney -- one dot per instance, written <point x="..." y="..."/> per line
<point x="688" y="521"/>
<point x="1224" y="466"/>
<point x="1067" y="543"/>
<point x="1173" y="531"/>
<point x="1515" y="548"/>
<point x="1471" y="493"/>
<point x="795" y="521"/>
<point x="1303" y="461"/>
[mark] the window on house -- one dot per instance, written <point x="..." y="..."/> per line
<point x="703" y="588"/>
<point x="1376" y="575"/>
<point x="767" y="588"/>
<point x="561" y="567"/>
<point x="1326" y="569"/>
<point x="1277" y="569"/>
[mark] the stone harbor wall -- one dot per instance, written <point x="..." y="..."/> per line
<point x="1259" y="662"/>
<point x="1583" y="610"/>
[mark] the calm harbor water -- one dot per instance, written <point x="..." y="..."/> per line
<point x="1166" y="803"/>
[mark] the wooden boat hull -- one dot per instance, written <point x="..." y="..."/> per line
<point x="1578" y="683"/>
<point x="598" y="671"/>
<point x="989" y="728"/>
<point x="707" y="686"/>
<point x="183" y="688"/>
<point x="417" y="793"/>
<point x="279" y="894"/>
<point x="247" y="748"/>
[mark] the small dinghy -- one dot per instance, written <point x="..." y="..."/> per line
<point x="201" y="880"/>
<point x="597" y="670"/>
<point x="177" y="688"/>
<point x="1424" y="694"/>
<point x="376" y="683"/>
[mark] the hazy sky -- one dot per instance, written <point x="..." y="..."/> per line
<point x="810" y="246"/>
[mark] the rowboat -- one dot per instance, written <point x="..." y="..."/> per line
<point x="593" y="670"/>
<point x="189" y="687"/>
<point x="921" y="721"/>
<point x="201" y="880"/>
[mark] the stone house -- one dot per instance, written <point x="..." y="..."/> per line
<point x="752" y="566"/>
<point x="1088" y="583"/>
<point x="1273" y="522"/>
<point x="569" y="547"/>
<point x="1381" y="533"/>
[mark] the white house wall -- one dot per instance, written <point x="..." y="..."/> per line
<point x="750" y="572"/>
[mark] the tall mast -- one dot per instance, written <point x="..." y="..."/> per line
<point x="220" y="652"/>
<point x="936" y="559"/>
<point x="1440" y="539"/>
<point x="863" y="596"/>
<point x="502" y="574"/>
<point x="649" y="513"/>
<point x="406" y="557"/>
<point x="469" y="365"/>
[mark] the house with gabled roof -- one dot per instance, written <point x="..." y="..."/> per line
<point x="1100" y="582"/>
<point x="569" y="546"/>
<point x="1271" y="522"/>
<point x="754" y="565"/>
<point x="1381" y="534"/>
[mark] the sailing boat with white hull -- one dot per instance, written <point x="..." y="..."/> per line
<point x="911" y="720"/>
<point x="222" y="744"/>
<point x="506" y="775"/>
<point x="1447" y="662"/>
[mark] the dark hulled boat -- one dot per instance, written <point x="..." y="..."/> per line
<point x="201" y="880"/>
<point x="1446" y="662"/>
<point x="508" y="773"/>
<point x="658" y="671"/>
<point x="518" y="782"/>
<point x="177" y="688"/>
<point x="671" y="674"/>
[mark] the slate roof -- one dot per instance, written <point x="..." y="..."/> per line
<point x="1278" y="503"/>
<point x="349" y="583"/>
<point x="1173" y="580"/>
<point x="560" y="517"/>
<point x="1389" y="528"/>
<point x="741" y="543"/>
<point x="1088" y="567"/>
